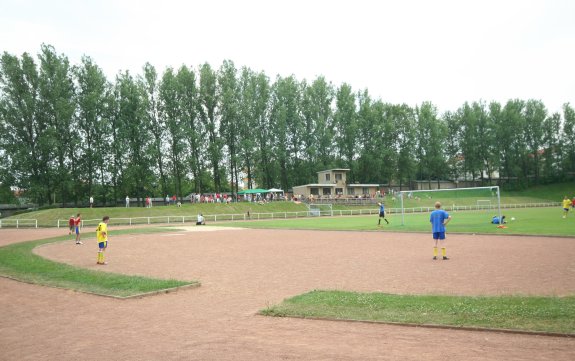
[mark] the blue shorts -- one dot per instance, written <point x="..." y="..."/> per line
<point x="77" y="229"/>
<point x="102" y="245"/>
<point x="438" y="235"/>
<point x="382" y="214"/>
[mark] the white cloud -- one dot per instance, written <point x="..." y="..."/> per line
<point x="447" y="52"/>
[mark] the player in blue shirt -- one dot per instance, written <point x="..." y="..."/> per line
<point x="439" y="219"/>
<point x="381" y="214"/>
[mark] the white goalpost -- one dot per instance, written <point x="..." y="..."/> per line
<point x="479" y="195"/>
<point x="484" y="204"/>
<point x="320" y="209"/>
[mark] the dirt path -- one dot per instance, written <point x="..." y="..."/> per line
<point x="242" y="271"/>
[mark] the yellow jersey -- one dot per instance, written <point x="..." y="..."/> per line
<point x="566" y="203"/>
<point x="102" y="232"/>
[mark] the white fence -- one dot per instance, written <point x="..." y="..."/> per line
<point x="20" y="223"/>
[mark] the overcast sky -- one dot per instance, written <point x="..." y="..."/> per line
<point x="446" y="52"/>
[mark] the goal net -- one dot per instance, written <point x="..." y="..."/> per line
<point x="318" y="210"/>
<point x="475" y="200"/>
<point x="484" y="204"/>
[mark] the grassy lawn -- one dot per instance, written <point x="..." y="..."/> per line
<point x="536" y="314"/>
<point x="17" y="261"/>
<point x="50" y="217"/>
<point x="528" y="221"/>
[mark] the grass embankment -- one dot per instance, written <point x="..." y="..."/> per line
<point x="536" y="194"/>
<point x="528" y="221"/>
<point x="535" y="314"/>
<point x="50" y="217"/>
<point x="17" y="261"/>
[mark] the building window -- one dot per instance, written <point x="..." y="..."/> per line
<point x="351" y="191"/>
<point x="338" y="176"/>
<point x="327" y="177"/>
<point x="365" y="190"/>
<point x="339" y="191"/>
<point x="326" y="191"/>
<point x="314" y="191"/>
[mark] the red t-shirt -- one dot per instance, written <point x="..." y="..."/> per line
<point x="71" y="222"/>
<point x="77" y="221"/>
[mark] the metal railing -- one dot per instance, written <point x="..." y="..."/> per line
<point x="19" y="223"/>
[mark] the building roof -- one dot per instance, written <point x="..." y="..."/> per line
<point x="335" y="169"/>
<point x="335" y="185"/>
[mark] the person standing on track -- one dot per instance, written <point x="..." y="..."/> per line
<point x="77" y="223"/>
<point x="71" y="224"/>
<point x="102" y="238"/>
<point x="439" y="219"/>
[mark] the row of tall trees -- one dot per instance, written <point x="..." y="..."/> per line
<point x="68" y="132"/>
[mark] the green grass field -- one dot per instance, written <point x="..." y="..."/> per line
<point x="50" y="217"/>
<point x="17" y="261"/>
<point x="528" y="221"/>
<point x="534" y="314"/>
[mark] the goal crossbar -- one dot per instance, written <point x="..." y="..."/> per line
<point x="319" y="209"/>
<point x="492" y="188"/>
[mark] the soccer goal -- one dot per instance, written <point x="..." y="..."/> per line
<point x="318" y="210"/>
<point x="452" y="199"/>
<point x="484" y="204"/>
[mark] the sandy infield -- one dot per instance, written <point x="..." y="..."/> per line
<point x="242" y="271"/>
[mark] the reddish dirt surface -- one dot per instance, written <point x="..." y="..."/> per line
<point x="242" y="271"/>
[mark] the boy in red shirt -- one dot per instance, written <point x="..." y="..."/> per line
<point x="71" y="225"/>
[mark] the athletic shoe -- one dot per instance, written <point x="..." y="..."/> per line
<point x="102" y="263"/>
<point x="445" y="258"/>
<point x="434" y="258"/>
<point x="386" y="221"/>
<point x="79" y="243"/>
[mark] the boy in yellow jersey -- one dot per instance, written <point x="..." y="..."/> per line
<point x="566" y="204"/>
<point x="102" y="238"/>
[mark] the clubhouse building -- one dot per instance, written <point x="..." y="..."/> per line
<point x="332" y="183"/>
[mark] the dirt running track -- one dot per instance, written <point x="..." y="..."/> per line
<point x="242" y="271"/>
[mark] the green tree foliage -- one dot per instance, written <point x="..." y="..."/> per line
<point x="405" y="126"/>
<point x="56" y="106"/>
<point x="66" y="133"/>
<point x="346" y="127"/>
<point x="208" y="100"/>
<point x="155" y="127"/>
<point x="317" y="128"/>
<point x="23" y="134"/>
<point x="285" y="121"/>
<point x="194" y="132"/>
<point x="92" y="128"/>
<point x="568" y="139"/>
<point x="134" y="161"/>
<point x="431" y="133"/>
<point x="229" y="110"/>
<point x="170" y="111"/>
